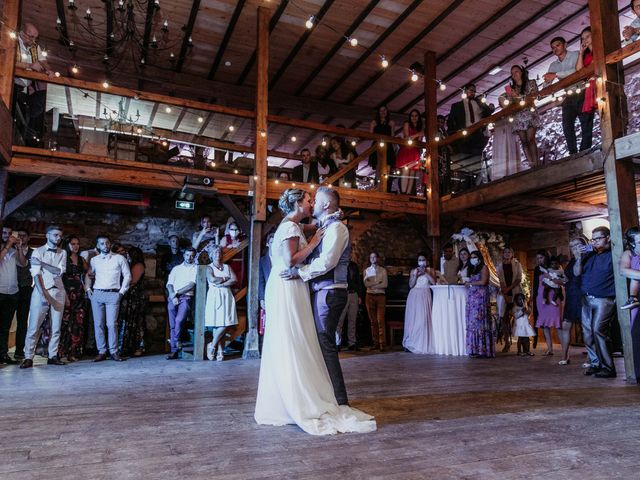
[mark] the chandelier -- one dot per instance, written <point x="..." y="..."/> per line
<point x="119" y="30"/>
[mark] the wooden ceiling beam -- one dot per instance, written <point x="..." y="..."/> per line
<point x="62" y="28"/>
<point x="28" y="194"/>
<point x="509" y="220"/>
<point x="188" y="30"/>
<point x="524" y="182"/>
<point x="562" y="205"/>
<point x="272" y="25"/>
<point x="373" y="48"/>
<point x="300" y="43"/>
<point x="227" y="37"/>
<point x="337" y="46"/>
<point x="407" y="48"/>
<point x="148" y="23"/>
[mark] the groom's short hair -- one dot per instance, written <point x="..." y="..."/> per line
<point x="332" y="194"/>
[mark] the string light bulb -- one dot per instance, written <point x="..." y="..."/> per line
<point x="464" y="95"/>
<point x="410" y="142"/>
<point x="491" y="126"/>
<point x="578" y="90"/>
<point x="167" y="109"/>
<point x="443" y="87"/>
<point x="532" y="109"/>
<point x="523" y="102"/>
<point x="293" y="139"/>
<point x="12" y="35"/>
<point x="414" y="76"/>
<point x="353" y="143"/>
<point x="384" y="62"/>
<point x="381" y="144"/>
<point x="309" y="22"/>
<point x="353" y="42"/>
<point x="437" y="138"/>
<point x="200" y="119"/>
<point x="263" y="134"/>
<point x="464" y="133"/>
<point x="231" y="128"/>
<point x="483" y="99"/>
<point x="75" y="69"/>
<point x="105" y="84"/>
<point x="506" y="102"/>
<point x="324" y="142"/>
<point x="510" y="119"/>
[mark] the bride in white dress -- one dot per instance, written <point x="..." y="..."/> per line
<point x="294" y="385"/>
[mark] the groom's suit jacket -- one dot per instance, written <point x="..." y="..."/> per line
<point x="328" y="264"/>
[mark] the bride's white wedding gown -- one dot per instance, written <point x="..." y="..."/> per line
<point x="294" y="386"/>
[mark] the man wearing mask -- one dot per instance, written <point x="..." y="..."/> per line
<point x="594" y="266"/>
<point x="48" y="264"/>
<point x="11" y="256"/>
<point x="181" y="286"/>
<point x="112" y="278"/>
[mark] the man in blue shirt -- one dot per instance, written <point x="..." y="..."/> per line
<point x="598" y="303"/>
<point x="561" y="68"/>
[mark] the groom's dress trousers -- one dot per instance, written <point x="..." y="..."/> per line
<point x="56" y="257"/>
<point x="327" y="276"/>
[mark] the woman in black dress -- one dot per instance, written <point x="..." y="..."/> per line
<point x="132" y="308"/>
<point x="72" y="333"/>
<point x="573" y="301"/>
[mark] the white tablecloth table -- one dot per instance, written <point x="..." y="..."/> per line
<point x="448" y="319"/>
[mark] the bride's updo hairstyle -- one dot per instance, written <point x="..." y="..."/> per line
<point x="289" y="199"/>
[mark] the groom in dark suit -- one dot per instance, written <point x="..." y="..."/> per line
<point x="326" y="272"/>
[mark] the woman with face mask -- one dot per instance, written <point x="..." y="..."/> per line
<point x="418" y="333"/>
<point x="480" y="337"/>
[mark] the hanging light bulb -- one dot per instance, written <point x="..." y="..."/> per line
<point x="523" y="102"/>
<point x="324" y="142"/>
<point x="72" y="5"/>
<point x="87" y="15"/>
<point x="465" y="133"/>
<point x="154" y="42"/>
<point x="309" y="22"/>
<point x="165" y="26"/>
<point x="263" y="133"/>
<point x="506" y="102"/>
<point x="384" y="62"/>
<point x="437" y="138"/>
<point x="414" y="76"/>
<point x="353" y="42"/>
<point x="532" y="109"/>
<point x="167" y="109"/>
<point x="491" y="126"/>
<point x="120" y="6"/>
<point x="443" y="87"/>
<point x="464" y="95"/>
<point x="483" y="99"/>
<point x="105" y="84"/>
<point x="510" y="119"/>
<point x="231" y="128"/>
<point x="139" y="130"/>
<point x="353" y="143"/>
<point x="381" y="144"/>
<point x="75" y="69"/>
<point x="293" y="139"/>
<point x="200" y="119"/>
<point x="578" y="90"/>
<point x="410" y="142"/>
<point x="57" y="74"/>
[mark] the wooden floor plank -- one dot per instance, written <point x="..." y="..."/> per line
<point x="438" y="418"/>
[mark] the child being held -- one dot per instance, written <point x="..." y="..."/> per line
<point x="522" y="328"/>
<point x="553" y="282"/>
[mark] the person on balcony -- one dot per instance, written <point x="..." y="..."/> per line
<point x="631" y="33"/>
<point x="31" y="96"/>
<point x="465" y="113"/>
<point x="561" y="68"/>
<point x="307" y="171"/>
<point x="342" y="154"/>
<point x="408" y="160"/>
<point x="525" y="122"/>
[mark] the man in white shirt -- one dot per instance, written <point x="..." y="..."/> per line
<point x="181" y="286"/>
<point x="561" y="68"/>
<point x="112" y="279"/>
<point x="449" y="265"/>
<point x="48" y="263"/>
<point x="375" y="281"/>
<point x="10" y="257"/>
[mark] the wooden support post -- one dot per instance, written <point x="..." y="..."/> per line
<point x="199" y="312"/>
<point x="432" y="164"/>
<point x="251" y="340"/>
<point x="383" y="168"/>
<point x="4" y="181"/>
<point x="262" y="110"/>
<point x="619" y="175"/>
<point x="27" y="195"/>
<point x="8" y="46"/>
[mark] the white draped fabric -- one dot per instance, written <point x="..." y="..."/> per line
<point x="448" y="319"/>
<point x="294" y="385"/>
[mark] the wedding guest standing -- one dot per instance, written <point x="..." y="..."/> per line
<point x="510" y="276"/>
<point x="132" y="308"/>
<point x="598" y="302"/>
<point x="480" y="339"/>
<point x="383" y="125"/>
<point x="449" y="265"/>
<point x="220" y="310"/>
<point x="549" y="314"/>
<point x="181" y="286"/>
<point x="585" y="58"/>
<point x="48" y="264"/>
<point x="542" y="262"/>
<point x="375" y="281"/>
<point x="418" y="334"/>
<point x="350" y="312"/>
<point x="11" y="255"/>
<point x="75" y="311"/>
<point x="631" y="33"/>
<point x="204" y="239"/>
<point x="307" y="171"/>
<point x="232" y="239"/>
<point x="525" y="122"/>
<point x="408" y="158"/>
<point x="106" y="282"/>
<point x="572" y="313"/>
<point x="505" y="157"/>
<point x="463" y="264"/>
<point x="25" y="289"/>
<point x="172" y="258"/>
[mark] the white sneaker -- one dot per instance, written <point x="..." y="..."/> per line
<point x="586" y="365"/>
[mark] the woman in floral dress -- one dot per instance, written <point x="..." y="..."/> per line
<point x="480" y="335"/>
<point x="132" y="308"/>
<point x="525" y="122"/>
<point x="72" y="333"/>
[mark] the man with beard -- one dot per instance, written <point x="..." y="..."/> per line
<point x="181" y="286"/>
<point x="48" y="264"/>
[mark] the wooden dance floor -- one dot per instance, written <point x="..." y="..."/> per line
<point x="438" y="418"/>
